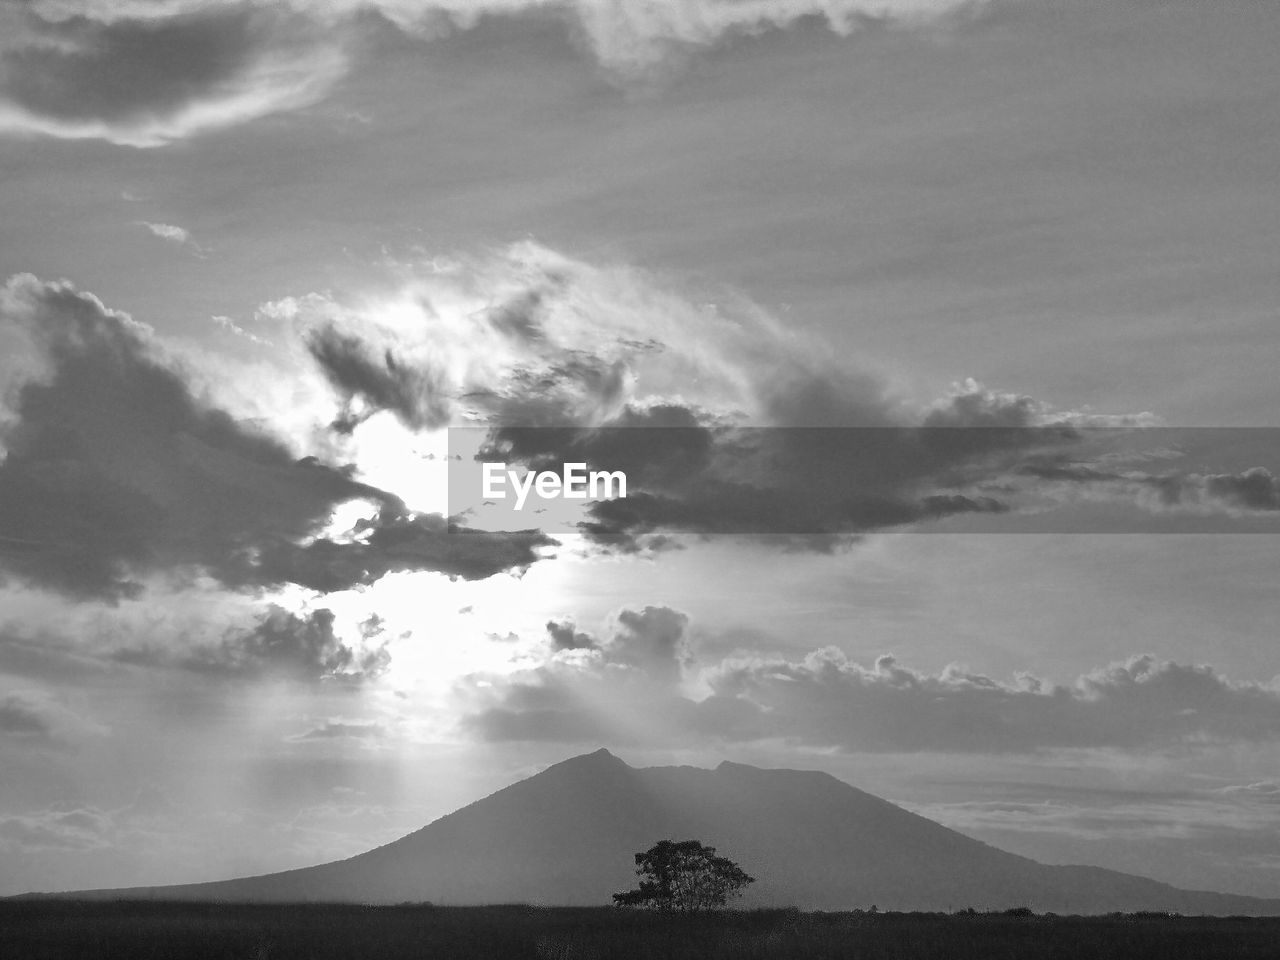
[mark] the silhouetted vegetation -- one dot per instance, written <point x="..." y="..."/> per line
<point x="683" y="877"/>
<point x="59" y="930"/>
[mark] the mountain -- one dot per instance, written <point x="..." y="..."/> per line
<point x="568" y="836"/>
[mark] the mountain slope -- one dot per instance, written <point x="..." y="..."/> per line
<point x="568" y="836"/>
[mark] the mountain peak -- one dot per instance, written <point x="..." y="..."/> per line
<point x="597" y="759"/>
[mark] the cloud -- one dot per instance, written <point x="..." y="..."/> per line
<point x="723" y="420"/>
<point x="652" y="640"/>
<point x="671" y="390"/>
<point x="282" y="645"/>
<point x="116" y="469"/>
<point x="633" y="37"/>
<point x="1141" y="703"/>
<point x="377" y="381"/>
<point x="1254" y="491"/>
<point x="645" y="681"/>
<point x="167" y="231"/>
<point x="47" y="657"/>
<point x="611" y="689"/>
<point x="145" y="75"/>
<point x="565" y="637"/>
<point x="33" y="717"/>
<point x="20" y="718"/>
<point x="338" y="730"/>
<point x="81" y="829"/>
<point x="1261" y="791"/>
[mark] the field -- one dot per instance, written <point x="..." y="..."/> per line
<point x="52" y="930"/>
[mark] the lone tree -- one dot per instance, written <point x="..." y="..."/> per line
<point x="683" y="877"/>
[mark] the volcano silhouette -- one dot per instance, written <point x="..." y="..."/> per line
<point x="567" y="836"/>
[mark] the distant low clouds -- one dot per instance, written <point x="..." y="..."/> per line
<point x="1254" y="491"/>
<point x="145" y="74"/>
<point x="63" y="830"/>
<point x="646" y="684"/>
<point x="117" y="469"/>
<point x="1141" y="703"/>
<point x="341" y="730"/>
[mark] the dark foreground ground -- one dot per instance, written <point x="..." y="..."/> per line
<point x="160" y="931"/>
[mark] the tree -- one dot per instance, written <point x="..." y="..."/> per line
<point x="683" y="877"/>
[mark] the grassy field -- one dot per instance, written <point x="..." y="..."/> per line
<point x="52" y="930"/>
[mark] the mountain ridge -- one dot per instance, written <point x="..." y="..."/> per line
<point x="567" y="836"/>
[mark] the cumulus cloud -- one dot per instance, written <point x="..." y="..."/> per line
<point x="616" y="687"/>
<point x="117" y="469"/>
<point x="1140" y="703"/>
<point x="564" y="636"/>
<point x="645" y="680"/>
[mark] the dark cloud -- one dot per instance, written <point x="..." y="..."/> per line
<point x="565" y="637"/>
<point x="20" y="718"/>
<point x="281" y="645"/>
<point x="116" y="470"/>
<point x="636" y="671"/>
<point x="147" y="72"/>
<point x="651" y="640"/>
<point x="34" y="717"/>
<point x="395" y="542"/>
<point x="160" y="74"/>
<point x="130" y="68"/>
<point x="638" y="683"/>
<point x="1255" y="490"/>
<point x="687" y="473"/>
<point x="372" y="380"/>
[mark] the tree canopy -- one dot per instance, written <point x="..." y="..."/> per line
<point x="683" y="877"/>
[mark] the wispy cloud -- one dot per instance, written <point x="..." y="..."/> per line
<point x="171" y="233"/>
<point x="146" y="74"/>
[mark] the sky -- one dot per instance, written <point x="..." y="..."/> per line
<point x="262" y="259"/>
